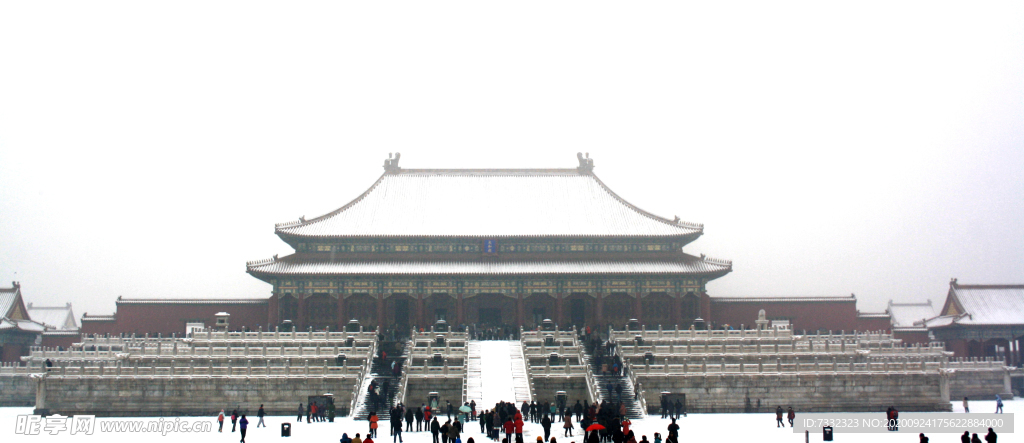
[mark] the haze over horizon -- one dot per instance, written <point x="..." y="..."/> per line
<point x="876" y="149"/>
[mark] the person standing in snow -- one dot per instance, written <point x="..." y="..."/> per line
<point x="243" y="424"/>
<point x="234" y="419"/>
<point x="260" y="413"/>
<point x="220" y="421"/>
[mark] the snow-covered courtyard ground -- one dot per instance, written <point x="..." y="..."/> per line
<point x="758" y="428"/>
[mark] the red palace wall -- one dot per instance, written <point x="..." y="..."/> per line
<point x="12" y="353"/>
<point x="167" y="318"/>
<point x="810" y="316"/>
<point x="62" y="341"/>
<point x="874" y="323"/>
<point x="916" y="337"/>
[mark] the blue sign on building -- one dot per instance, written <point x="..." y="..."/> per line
<point x="490" y="246"/>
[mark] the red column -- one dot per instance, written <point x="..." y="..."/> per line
<point x="705" y="308"/>
<point x="341" y="320"/>
<point x="421" y="319"/>
<point x="677" y="308"/>
<point x="599" y="314"/>
<point x="519" y="310"/>
<point x="458" y="309"/>
<point x="638" y="308"/>
<point x="380" y="310"/>
<point x="273" y="310"/>
<point x="558" y="308"/>
<point x="300" y="323"/>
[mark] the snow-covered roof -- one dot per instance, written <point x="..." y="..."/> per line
<point x="985" y="304"/>
<point x="488" y="202"/>
<point x="54" y="317"/>
<point x="905" y="315"/>
<point x="191" y="301"/>
<point x="686" y="265"/>
<point x="9" y="299"/>
<point x="8" y="324"/>
<point x="785" y="299"/>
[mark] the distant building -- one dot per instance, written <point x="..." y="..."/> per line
<point x="61" y="327"/>
<point x="57" y="318"/>
<point x="808" y="313"/>
<point x="981" y="321"/>
<point x="17" y="331"/>
<point x="908" y="321"/>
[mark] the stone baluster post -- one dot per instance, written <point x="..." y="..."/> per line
<point x="446" y="366"/>
<point x="704" y="365"/>
<point x="248" y="367"/>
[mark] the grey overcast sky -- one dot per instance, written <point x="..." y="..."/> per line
<point x="876" y="148"/>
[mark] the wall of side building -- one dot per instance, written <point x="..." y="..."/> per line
<point x="168" y="318"/>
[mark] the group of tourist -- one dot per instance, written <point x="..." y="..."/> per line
<point x="315" y="412"/>
<point x="790" y="415"/>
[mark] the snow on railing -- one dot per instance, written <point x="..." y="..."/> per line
<point x="403" y="382"/>
<point x="363" y="373"/>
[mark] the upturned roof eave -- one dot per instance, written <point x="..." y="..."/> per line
<point x="293" y="239"/>
<point x="267" y="276"/>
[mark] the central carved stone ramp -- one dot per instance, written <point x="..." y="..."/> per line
<point x="496" y="376"/>
<point x="474" y="373"/>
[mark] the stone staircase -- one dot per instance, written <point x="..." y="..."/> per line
<point x="380" y="370"/>
<point x="633" y="409"/>
<point x="474" y="373"/>
<point x="520" y="379"/>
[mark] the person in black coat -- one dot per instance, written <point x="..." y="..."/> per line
<point x="435" y="428"/>
<point x="546" y="424"/>
<point x="301" y="410"/>
<point x="991" y="436"/>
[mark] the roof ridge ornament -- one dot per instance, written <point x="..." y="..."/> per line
<point x="586" y="164"/>
<point x="391" y="164"/>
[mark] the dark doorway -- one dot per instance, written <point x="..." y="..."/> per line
<point x="578" y="312"/>
<point x="402" y="311"/>
<point x="539" y="315"/>
<point x="490" y="317"/>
